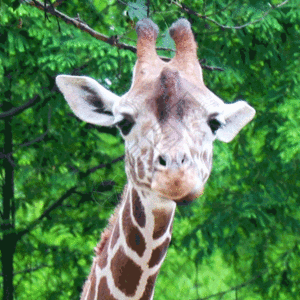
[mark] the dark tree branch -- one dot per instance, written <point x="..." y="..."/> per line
<point x="17" y="110"/>
<point x="82" y="175"/>
<point x="26" y="144"/>
<point x="37" y="139"/>
<point x="8" y="242"/>
<point x="46" y="213"/>
<point x="29" y="270"/>
<point x="239" y="286"/>
<point x="148" y="8"/>
<point x="82" y="26"/>
<point x="113" y="40"/>
<point x="67" y="194"/>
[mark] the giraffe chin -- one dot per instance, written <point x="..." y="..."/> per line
<point x="183" y="194"/>
<point x="189" y="198"/>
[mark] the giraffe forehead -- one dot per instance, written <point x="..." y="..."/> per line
<point x="167" y="94"/>
<point x="172" y="97"/>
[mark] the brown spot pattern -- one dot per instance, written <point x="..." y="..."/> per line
<point x="149" y="287"/>
<point x="140" y="167"/>
<point x="158" y="253"/>
<point x="162" y="219"/>
<point x="138" y="209"/>
<point x="103" y="291"/>
<point x="135" y="180"/>
<point x="133" y="236"/>
<point x="126" y="273"/>
<point x="102" y="257"/>
<point x="115" y="236"/>
<point x="144" y="151"/>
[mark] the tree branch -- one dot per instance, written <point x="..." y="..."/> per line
<point x="66" y="195"/>
<point x="239" y="286"/>
<point x="82" y="26"/>
<point x="26" y="144"/>
<point x="29" y="270"/>
<point x="17" y="110"/>
<point x="101" y="166"/>
<point x="113" y="40"/>
<point x="186" y="9"/>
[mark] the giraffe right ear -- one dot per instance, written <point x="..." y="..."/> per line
<point x="89" y="100"/>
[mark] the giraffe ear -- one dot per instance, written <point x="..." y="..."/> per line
<point x="236" y="116"/>
<point x="89" y="100"/>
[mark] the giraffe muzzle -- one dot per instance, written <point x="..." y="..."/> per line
<point x="177" y="184"/>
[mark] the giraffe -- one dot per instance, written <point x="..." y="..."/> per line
<point x="169" y="120"/>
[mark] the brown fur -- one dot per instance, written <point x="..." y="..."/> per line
<point x="103" y="291"/>
<point x="158" y="253"/>
<point x="134" y="238"/>
<point x="138" y="209"/>
<point x="162" y="219"/>
<point x="149" y="287"/>
<point x="126" y="273"/>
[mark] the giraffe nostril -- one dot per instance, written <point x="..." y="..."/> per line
<point x="182" y="159"/>
<point x="162" y="161"/>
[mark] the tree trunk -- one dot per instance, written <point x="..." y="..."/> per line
<point x="8" y="243"/>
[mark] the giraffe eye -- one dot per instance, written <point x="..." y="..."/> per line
<point x="214" y="125"/>
<point x="126" y="124"/>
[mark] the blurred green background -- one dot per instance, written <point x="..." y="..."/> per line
<point x="240" y="240"/>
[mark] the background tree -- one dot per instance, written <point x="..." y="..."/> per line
<point x="61" y="178"/>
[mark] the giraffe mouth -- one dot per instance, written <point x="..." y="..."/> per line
<point x="180" y="186"/>
<point x="186" y="200"/>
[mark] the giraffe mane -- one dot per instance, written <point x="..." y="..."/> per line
<point x="105" y="235"/>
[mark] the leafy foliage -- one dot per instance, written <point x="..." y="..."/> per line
<point x="242" y="236"/>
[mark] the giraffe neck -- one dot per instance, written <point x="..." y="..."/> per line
<point x="132" y="249"/>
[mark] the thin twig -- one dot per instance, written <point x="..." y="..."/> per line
<point x="67" y="194"/>
<point x="26" y="144"/>
<point x="113" y="41"/>
<point x="148" y="8"/>
<point x="17" y="110"/>
<point x="29" y="270"/>
<point x="82" y="26"/>
<point x="205" y="17"/>
<point x="239" y="286"/>
<point x="37" y="139"/>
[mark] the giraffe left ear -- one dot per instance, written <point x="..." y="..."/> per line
<point x="89" y="100"/>
<point x="236" y="116"/>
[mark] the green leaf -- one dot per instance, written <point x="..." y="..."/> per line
<point x="137" y="10"/>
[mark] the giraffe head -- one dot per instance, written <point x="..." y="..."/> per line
<point x="169" y="119"/>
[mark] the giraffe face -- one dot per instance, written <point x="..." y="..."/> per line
<point x="169" y="119"/>
<point x="168" y="137"/>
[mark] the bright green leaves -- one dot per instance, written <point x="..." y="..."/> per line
<point x="100" y="5"/>
<point x="288" y="141"/>
<point x="137" y="10"/>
